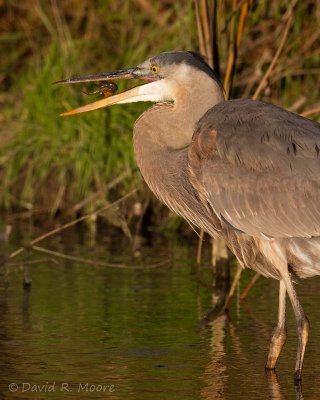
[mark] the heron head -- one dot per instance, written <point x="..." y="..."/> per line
<point x="169" y="76"/>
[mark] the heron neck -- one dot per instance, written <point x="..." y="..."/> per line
<point x="161" y="138"/>
<point x="173" y="125"/>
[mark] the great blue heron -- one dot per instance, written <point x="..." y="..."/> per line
<point x="241" y="169"/>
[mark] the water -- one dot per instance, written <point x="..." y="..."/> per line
<point x="93" y="332"/>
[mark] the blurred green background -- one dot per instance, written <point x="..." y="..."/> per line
<point x="56" y="167"/>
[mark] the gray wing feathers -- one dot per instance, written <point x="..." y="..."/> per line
<point x="262" y="135"/>
<point x="263" y="177"/>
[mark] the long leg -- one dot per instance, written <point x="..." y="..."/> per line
<point x="235" y="281"/>
<point x="253" y="280"/>
<point x="279" y="334"/>
<point x="302" y="324"/>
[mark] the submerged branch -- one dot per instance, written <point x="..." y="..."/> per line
<point x="32" y="262"/>
<point x="69" y="224"/>
<point x="98" y="263"/>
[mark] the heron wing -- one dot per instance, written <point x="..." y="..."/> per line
<point x="258" y="167"/>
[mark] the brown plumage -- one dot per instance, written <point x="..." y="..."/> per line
<point x="244" y="170"/>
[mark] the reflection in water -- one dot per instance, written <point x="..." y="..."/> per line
<point x="273" y="385"/>
<point x="139" y="330"/>
<point x="298" y="388"/>
<point x="25" y="306"/>
<point x="275" y="390"/>
<point x="215" y="373"/>
<point x="220" y="290"/>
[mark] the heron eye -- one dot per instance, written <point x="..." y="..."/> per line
<point x="154" y="69"/>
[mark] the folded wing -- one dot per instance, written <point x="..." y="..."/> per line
<point x="258" y="167"/>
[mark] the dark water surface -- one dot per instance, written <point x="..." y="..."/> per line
<point x="93" y="332"/>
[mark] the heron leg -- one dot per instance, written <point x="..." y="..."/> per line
<point x="302" y="325"/>
<point x="235" y="281"/>
<point x="279" y="334"/>
<point x="253" y="280"/>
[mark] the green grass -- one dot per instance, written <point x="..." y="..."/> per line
<point x="76" y="154"/>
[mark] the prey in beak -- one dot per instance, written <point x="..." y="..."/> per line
<point x="153" y="91"/>
<point x="106" y="89"/>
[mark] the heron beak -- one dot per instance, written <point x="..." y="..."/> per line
<point x="139" y="93"/>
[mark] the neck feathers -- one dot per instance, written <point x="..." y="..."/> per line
<point x="173" y="125"/>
